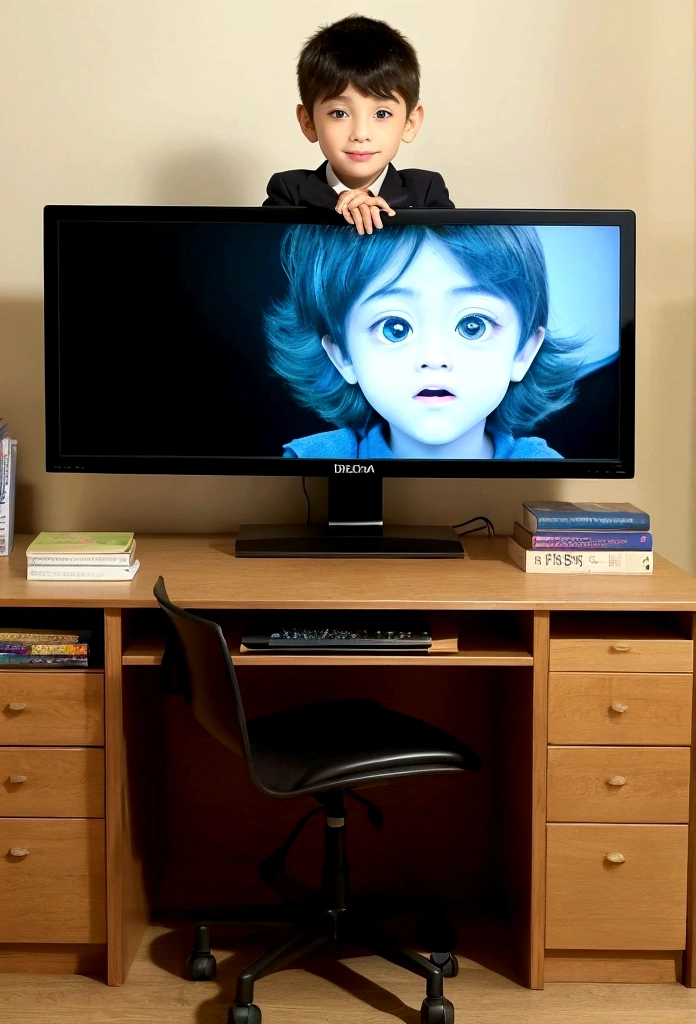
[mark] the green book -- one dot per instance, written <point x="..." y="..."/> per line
<point x="81" y="543"/>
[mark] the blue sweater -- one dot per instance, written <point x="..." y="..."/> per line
<point x="346" y="443"/>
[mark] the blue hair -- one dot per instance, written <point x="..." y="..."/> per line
<point x="328" y="268"/>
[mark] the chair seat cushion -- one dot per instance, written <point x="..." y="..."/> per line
<point x="337" y="743"/>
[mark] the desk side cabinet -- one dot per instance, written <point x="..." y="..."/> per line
<point x="52" y="826"/>
<point x="618" y="790"/>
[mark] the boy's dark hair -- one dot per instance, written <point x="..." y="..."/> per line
<point x="367" y="54"/>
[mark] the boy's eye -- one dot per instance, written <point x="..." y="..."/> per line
<point x="473" y="327"/>
<point x="394" y="329"/>
<point x="382" y="115"/>
<point x="338" y="114"/>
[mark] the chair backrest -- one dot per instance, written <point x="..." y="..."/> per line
<point x="214" y="690"/>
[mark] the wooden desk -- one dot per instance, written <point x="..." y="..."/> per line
<point x="584" y="689"/>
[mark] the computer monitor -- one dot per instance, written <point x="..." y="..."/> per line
<point x="450" y="343"/>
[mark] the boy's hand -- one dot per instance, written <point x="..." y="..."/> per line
<point x="361" y="208"/>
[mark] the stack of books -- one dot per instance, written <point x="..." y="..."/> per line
<point x="583" y="537"/>
<point x="107" y="557"/>
<point x="8" y="476"/>
<point x="57" y="648"/>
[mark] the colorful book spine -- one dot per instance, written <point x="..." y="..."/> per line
<point x="65" y="660"/>
<point x="41" y="636"/>
<point x="584" y="540"/>
<point x="593" y="522"/>
<point x="543" y="519"/>
<point x="639" y="563"/>
<point x="608" y="540"/>
<point x="7" y="647"/>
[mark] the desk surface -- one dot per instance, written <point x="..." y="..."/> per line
<point x="200" y="571"/>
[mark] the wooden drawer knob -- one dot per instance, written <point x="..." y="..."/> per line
<point x="16" y="706"/>
<point x="621" y="648"/>
<point x="616" y="780"/>
<point x="17" y="779"/>
<point x="614" y="858"/>
<point x="618" y="707"/>
<point x="18" y="851"/>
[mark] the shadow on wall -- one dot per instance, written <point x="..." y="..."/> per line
<point x="208" y="177"/>
<point x="669" y="387"/>
<point x="22" y="396"/>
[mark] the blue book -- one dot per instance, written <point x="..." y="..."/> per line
<point x="538" y="516"/>
<point x="583" y="540"/>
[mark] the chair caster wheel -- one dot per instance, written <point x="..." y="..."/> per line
<point x="437" y="1011"/>
<point x="244" y="1013"/>
<point x="202" y="966"/>
<point x="448" y="964"/>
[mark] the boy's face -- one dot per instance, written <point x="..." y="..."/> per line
<point x="434" y="355"/>
<point x="358" y="134"/>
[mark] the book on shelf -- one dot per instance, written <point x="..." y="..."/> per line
<point x="8" y="484"/>
<point x="83" y="573"/>
<point x="4" y="448"/>
<point x="27" y="660"/>
<point x="24" y="650"/>
<point x="35" y="646"/>
<point x="538" y="516"/>
<point x="636" y="563"/>
<point x="118" y="548"/>
<point x="35" y="635"/>
<point x="583" y="540"/>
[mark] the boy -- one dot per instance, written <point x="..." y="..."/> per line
<point x="359" y="83"/>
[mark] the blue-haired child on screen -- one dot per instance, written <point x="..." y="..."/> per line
<point x="420" y="342"/>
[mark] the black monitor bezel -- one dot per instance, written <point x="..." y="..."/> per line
<point x="622" y="467"/>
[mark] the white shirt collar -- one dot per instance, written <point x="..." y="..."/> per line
<point x="338" y="186"/>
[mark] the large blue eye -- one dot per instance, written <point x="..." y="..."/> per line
<point x="472" y="327"/>
<point x="395" y="329"/>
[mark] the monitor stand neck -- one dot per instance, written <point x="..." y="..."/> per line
<point x="355" y="529"/>
<point x="355" y="504"/>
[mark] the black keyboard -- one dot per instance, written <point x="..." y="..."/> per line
<point x="340" y="632"/>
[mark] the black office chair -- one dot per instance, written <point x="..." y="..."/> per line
<point x="324" y="749"/>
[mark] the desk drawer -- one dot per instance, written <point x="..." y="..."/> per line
<point x="53" y="708"/>
<point x="588" y="707"/>
<point x="619" y="784"/>
<point x="56" y="892"/>
<point x="620" y="654"/>
<point x="56" y="782"/>
<point x="593" y="903"/>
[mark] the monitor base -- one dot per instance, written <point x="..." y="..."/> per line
<point x="346" y="542"/>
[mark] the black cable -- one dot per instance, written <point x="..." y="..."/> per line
<point x="487" y="525"/>
<point x="309" y="507"/>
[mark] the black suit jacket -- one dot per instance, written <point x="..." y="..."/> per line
<point x="403" y="190"/>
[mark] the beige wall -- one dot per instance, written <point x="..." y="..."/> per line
<point x="534" y="103"/>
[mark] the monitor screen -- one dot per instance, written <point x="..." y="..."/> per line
<point x="279" y="341"/>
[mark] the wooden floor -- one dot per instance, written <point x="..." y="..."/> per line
<point x="353" y="990"/>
